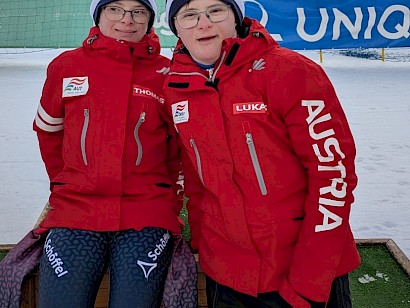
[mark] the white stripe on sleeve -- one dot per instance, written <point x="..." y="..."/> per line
<point x="47" y="118"/>
<point x="46" y="122"/>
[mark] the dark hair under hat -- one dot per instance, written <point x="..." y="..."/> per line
<point x="173" y="6"/>
<point x="97" y="5"/>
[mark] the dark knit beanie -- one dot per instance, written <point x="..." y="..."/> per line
<point x="173" y="6"/>
<point x="96" y="6"/>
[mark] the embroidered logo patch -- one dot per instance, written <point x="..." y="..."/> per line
<point x="75" y="86"/>
<point x="180" y="112"/>
<point x="141" y="91"/>
<point x="249" y="107"/>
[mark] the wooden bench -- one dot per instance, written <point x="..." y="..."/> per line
<point x="30" y="291"/>
<point x="30" y="285"/>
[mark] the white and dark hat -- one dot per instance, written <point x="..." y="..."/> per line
<point x="173" y="6"/>
<point x="96" y="6"/>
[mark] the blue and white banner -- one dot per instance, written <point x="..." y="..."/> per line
<point x="308" y="24"/>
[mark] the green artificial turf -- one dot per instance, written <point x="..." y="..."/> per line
<point x="379" y="281"/>
<point x="2" y="255"/>
<point x="186" y="231"/>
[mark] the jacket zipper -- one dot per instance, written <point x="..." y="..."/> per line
<point x="188" y="74"/>
<point x="254" y="158"/>
<point x="137" y="138"/>
<point x="211" y="72"/>
<point x="198" y="159"/>
<point x="84" y="134"/>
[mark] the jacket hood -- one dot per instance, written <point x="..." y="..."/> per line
<point x="147" y="48"/>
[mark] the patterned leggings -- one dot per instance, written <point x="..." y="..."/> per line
<point x="74" y="262"/>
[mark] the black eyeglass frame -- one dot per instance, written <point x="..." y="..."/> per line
<point x="125" y="12"/>
<point x="207" y="16"/>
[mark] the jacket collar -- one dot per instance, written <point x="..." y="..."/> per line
<point x="147" y="48"/>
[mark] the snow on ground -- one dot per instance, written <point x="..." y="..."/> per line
<point x="374" y="94"/>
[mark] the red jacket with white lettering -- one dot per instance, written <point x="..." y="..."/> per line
<point x="269" y="168"/>
<point x="107" y="143"/>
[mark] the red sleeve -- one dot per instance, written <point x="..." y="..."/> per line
<point x="48" y="123"/>
<point x="321" y="138"/>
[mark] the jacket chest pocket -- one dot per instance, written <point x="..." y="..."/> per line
<point x="84" y="135"/>
<point x="197" y="159"/>
<point x="192" y="147"/>
<point x="78" y="115"/>
<point x="137" y="128"/>
<point x="254" y="157"/>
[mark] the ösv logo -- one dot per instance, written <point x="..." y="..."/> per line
<point x="75" y="86"/>
<point x="180" y="112"/>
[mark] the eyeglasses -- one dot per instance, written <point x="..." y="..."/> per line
<point x="190" y="18"/>
<point x="115" y="13"/>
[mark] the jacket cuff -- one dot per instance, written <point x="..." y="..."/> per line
<point x="289" y="295"/>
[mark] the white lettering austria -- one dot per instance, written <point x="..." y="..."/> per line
<point x="56" y="263"/>
<point x="331" y="196"/>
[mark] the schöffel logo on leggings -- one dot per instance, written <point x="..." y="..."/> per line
<point x="55" y="262"/>
<point x="159" y="248"/>
<point x="148" y="267"/>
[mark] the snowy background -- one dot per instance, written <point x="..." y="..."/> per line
<point x="374" y="94"/>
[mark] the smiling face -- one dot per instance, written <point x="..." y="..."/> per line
<point x="125" y="29"/>
<point x="204" y="41"/>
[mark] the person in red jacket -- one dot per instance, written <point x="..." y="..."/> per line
<point x="268" y="161"/>
<point x="112" y="159"/>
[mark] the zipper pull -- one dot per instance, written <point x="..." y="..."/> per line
<point x="142" y="116"/>
<point x="210" y="73"/>
<point x="143" y="112"/>
<point x="247" y="131"/>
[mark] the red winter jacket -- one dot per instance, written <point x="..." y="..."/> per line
<point x="105" y="139"/>
<point x="269" y="168"/>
